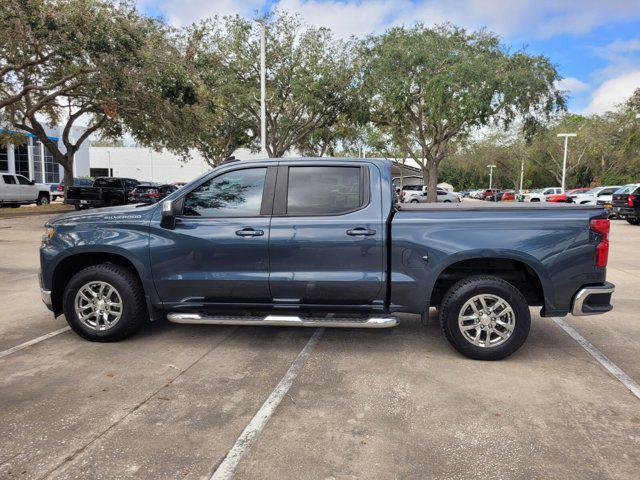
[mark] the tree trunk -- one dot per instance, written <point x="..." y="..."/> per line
<point x="431" y="172"/>
<point x="68" y="178"/>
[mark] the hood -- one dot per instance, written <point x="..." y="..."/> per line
<point x="129" y="213"/>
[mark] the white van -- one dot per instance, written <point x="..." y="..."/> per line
<point x="16" y="190"/>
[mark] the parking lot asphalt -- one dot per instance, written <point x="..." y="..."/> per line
<point x="400" y="403"/>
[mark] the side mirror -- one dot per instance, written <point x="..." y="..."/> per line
<point x="170" y="210"/>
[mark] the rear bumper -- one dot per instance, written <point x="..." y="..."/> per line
<point x="593" y="300"/>
<point x="84" y="203"/>
<point x="627" y="211"/>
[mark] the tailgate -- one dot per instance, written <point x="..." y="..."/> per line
<point x="620" y="200"/>
<point x="84" y="193"/>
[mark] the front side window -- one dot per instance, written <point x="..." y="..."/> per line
<point x="22" y="180"/>
<point x="108" y="182"/>
<point x="232" y="194"/>
<point x="324" y="190"/>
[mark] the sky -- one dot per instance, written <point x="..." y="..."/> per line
<point x="595" y="44"/>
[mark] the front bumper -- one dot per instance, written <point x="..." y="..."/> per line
<point x="45" y="294"/>
<point x="593" y="300"/>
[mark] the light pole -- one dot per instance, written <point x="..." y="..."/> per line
<point x="564" y="161"/>
<point x="263" y="88"/>
<point x="490" y="167"/>
<point x="521" y="174"/>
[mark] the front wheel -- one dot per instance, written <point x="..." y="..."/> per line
<point x="633" y="220"/>
<point x="43" y="199"/>
<point x="105" y="303"/>
<point x="414" y="201"/>
<point x="485" y="318"/>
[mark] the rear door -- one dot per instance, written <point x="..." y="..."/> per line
<point x="327" y="235"/>
<point x="10" y="190"/>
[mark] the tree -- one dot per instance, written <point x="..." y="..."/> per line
<point x="432" y="86"/>
<point x="124" y="69"/>
<point x="309" y="77"/>
<point x="34" y="38"/>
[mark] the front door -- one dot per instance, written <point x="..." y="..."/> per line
<point x="218" y="252"/>
<point x="327" y="236"/>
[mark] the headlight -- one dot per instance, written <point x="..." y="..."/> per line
<point x="48" y="233"/>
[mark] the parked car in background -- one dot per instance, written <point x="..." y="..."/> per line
<point x="508" y="196"/>
<point x="487" y="193"/>
<point x="562" y="197"/>
<point x="626" y="203"/>
<point x="105" y="192"/>
<point x="55" y="190"/>
<point x="16" y="190"/>
<point x="539" y="194"/>
<point x="420" y="196"/>
<point x="496" y="197"/>
<point x="591" y="197"/>
<point x="150" y="193"/>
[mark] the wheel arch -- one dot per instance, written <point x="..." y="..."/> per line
<point x="68" y="266"/>
<point x="526" y="274"/>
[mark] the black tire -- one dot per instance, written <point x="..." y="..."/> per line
<point x="79" y="207"/>
<point x="43" y="199"/>
<point x="633" y="220"/>
<point x="535" y="200"/>
<point x="464" y="290"/>
<point x="127" y="284"/>
<point x="447" y="201"/>
<point x="414" y="201"/>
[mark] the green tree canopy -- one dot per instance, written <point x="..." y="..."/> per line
<point x="430" y="86"/>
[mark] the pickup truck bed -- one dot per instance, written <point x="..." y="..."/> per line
<point x="312" y="242"/>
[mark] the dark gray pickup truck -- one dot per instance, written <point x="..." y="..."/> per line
<point x="320" y="242"/>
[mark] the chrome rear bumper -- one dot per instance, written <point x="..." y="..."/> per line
<point x="593" y="300"/>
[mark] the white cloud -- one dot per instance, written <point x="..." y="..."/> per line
<point x="572" y="85"/>
<point x="613" y="91"/>
<point x="348" y="18"/>
<point x="542" y="18"/>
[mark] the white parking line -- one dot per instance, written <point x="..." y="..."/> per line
<point x="243" y="444"/>
<point x="17" y="348"/>
<point x="616" y="371"/>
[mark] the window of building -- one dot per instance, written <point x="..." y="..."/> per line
<point x="233" y="194"/>
<point x="4" y="159"/>
<point x="51" y="168"/>
<point x="36" y="153"/>
<point x="324" y="190"/>
<point x="21" y="153"/>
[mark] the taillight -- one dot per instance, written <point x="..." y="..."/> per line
<point x="154" y="195"/>
<point x="630" y="201"/>
<point x="60" y="187"/>
<point x="601" y="226"/>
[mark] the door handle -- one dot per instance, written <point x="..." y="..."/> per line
<point x="249" y="232"/>
<point x="360" y="232"/>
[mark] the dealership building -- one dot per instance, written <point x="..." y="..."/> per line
<point x="34" y="161"/>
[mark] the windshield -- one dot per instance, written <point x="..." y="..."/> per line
<point x="626" y="189"/>
<point x="538" y="190"/>
<point x="593" y="191"/>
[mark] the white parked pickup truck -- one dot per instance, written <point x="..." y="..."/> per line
<point x="539" y="195"/>
<point x="16" y="190"/>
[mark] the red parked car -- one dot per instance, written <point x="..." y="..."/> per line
<point x="562" y="197"/>
<point x="508" y="196"/>
<point x="488" y="192"/>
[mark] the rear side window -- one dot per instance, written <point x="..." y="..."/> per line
<point x="232" y="194"/>
<point x="324" y="190"/>
<point x="108" y="182"/>
<point x="9" y="179"/>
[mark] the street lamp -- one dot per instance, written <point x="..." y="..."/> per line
<point x="564" y="161"/>
<point x="491" y="167"/>
<point x="263" y="88"/>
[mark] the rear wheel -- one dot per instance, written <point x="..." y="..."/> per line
<point x="535" y="199"/>
<point x="43" y="199"/>
<point x="485" y="318"/>
<point x="105" y="303"/>
<point x="633" y="220"/>
<point x="414" y="201"/>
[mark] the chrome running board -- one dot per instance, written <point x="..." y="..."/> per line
<point x="283" y="320"/>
